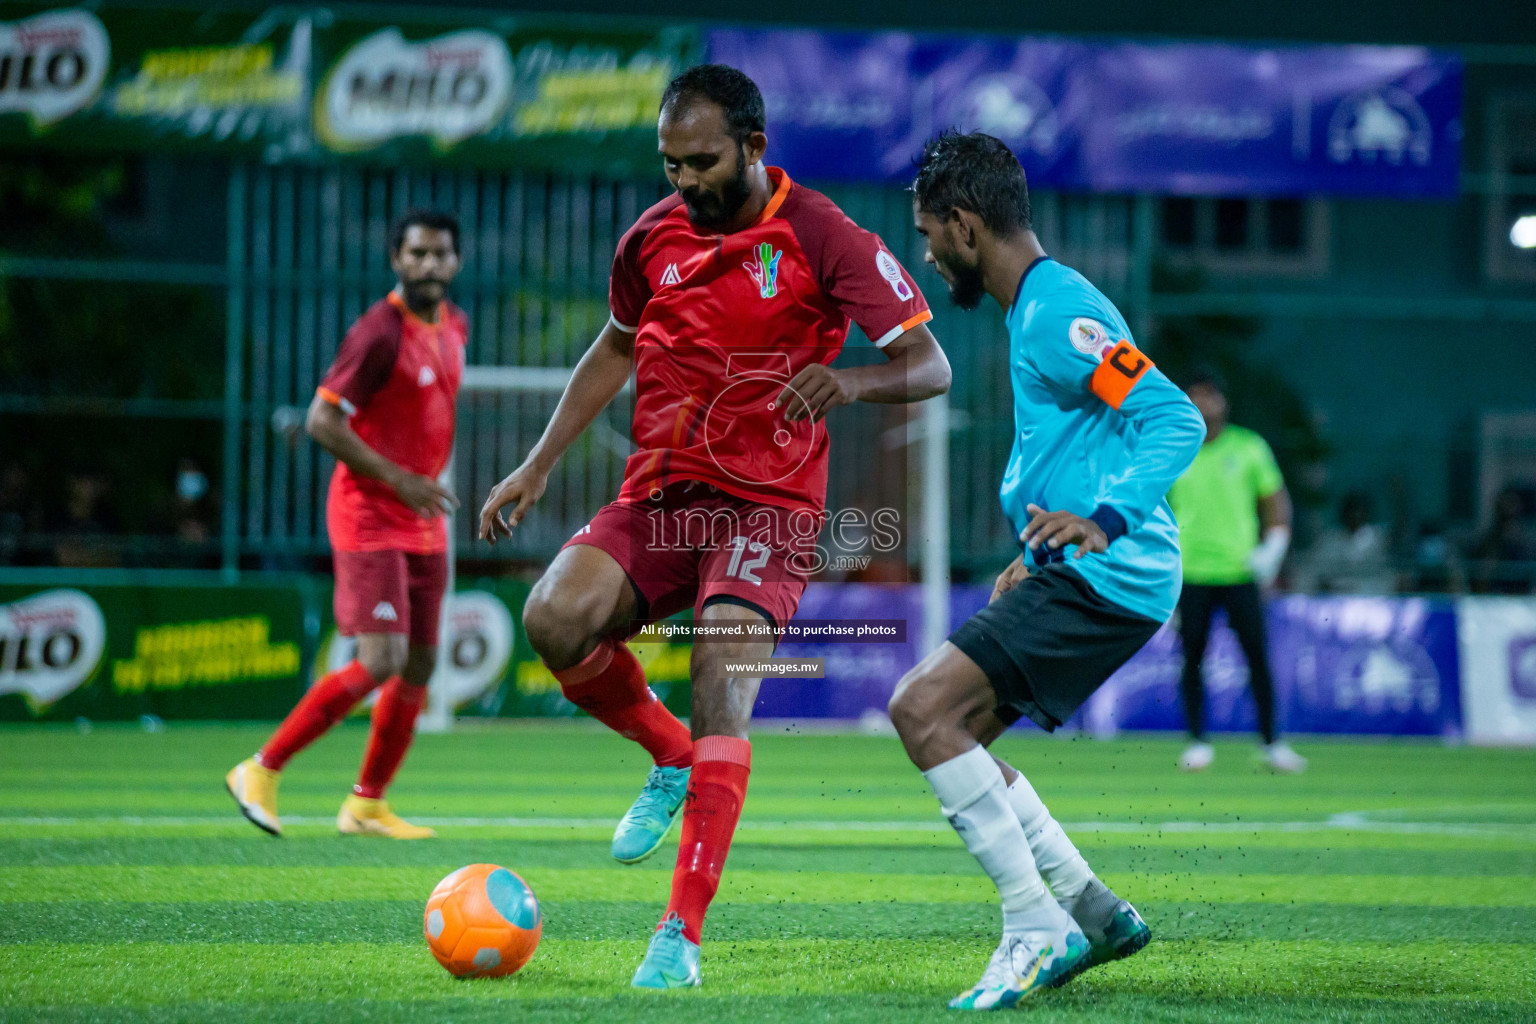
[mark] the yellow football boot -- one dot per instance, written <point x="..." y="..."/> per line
<point x="255" y="790"/>
<point x="363" y="817"/>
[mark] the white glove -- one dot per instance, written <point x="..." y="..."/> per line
<point x="1266" y="558"/>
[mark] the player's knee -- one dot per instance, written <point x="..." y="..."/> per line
<point x="558" y="625"/>
<point x="912" y="711"/>
<point x="382" y="660"/>
<point x="419" y="666"/>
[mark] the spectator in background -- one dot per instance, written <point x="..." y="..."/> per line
<point x="1436" y="570"/>
<point x="21" y="513"/>
<point x="192" y="513"/>
<point x="86" y="524"/>
<point x="1234" y="527"/>
<point x="1354" y="557"/>
<point x="1506" y="554"/>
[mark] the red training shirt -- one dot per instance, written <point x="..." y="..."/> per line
<point x="723" y="322"/>
<point x="397" y="377"/>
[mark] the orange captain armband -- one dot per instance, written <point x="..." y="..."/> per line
<point x="1118" y="373"/>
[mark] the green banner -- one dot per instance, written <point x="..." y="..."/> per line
<point x="151" y="79"/>
<point x="489" y="97"/>
<point x="302" y="84"/>
<point x="117" y="652"/>
<point x="120" y="652"/>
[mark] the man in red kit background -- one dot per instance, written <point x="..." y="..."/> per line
<point x="728" y="299"/>
<point x="385" y="410"/>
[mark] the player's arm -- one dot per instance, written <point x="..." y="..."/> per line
<point x="327" y="424"/>
<point x="1168" y="433"/>
<point x="915" y="368"/>
<point x="597" y="379"/>
<point x="1274" y="508"/>
<point x="364" y="363"/>
<point x="1167" y="437"/>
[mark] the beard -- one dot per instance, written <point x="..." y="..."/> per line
<point x="715" y="209"/>
<point x="966" y="288"/>
<point x="427" y="291"/>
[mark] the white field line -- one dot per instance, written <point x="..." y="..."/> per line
<point x="1351" y="822"/>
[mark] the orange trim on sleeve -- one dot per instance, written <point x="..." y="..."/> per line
<point x="913" y="321"/>
<point x="1118" y="373"/>
<point x="777" y="199"/>
<point x="326" y="394"/>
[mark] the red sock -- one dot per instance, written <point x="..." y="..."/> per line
<point x="322" y="707"/>
<point x="716" y="790"/>
<point x="394" y="726"/>
<point x="609" y="685"/>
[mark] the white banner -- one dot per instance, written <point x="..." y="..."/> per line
<point x="1498" y="669"/>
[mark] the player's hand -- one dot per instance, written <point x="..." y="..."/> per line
<point x="1009" y="578"/>
<point x="522" y="487"/>
<point x="815" y="390"/>
<point x="424" y="496"/>
<point x="1056" y="530"/>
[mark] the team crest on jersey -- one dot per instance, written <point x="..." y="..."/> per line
<point x="670" y="276"/>
<point x="426" y="377"/>
<point x="765" y="270"/>
<point x="1089" y="337"/>
<point x="891" y="271"/>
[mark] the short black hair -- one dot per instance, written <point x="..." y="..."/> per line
<point x="974" y="172"/>
<point x="728" y="88"/>
<point x="421" y="217"/>
<point x="1204" y="375"/>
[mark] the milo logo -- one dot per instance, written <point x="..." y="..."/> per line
<point x="50" y="643"/>
<point x="52" y="65"/>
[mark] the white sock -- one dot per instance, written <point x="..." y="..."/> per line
<point x="972" y="796"/>
<point x="1056" y="858"/>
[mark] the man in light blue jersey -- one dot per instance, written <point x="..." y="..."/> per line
<point x="1099" y="436"/>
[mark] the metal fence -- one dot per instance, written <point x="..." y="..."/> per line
<point x="307" y="256"/>
<point x="304" y="253"/>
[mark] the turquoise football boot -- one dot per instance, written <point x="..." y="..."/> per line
<point x="1027" y="963"/>
<point x="647" y="823"/>
<point x="671" y="960"/>
<point x="1113" y="927"/>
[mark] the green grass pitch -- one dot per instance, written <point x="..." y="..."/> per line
<point x="1393" y="882"/>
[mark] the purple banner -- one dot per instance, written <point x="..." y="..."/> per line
<point x="1340" y="664"/>
<point x="1362" y="665"/>
<point x="1193" y="119"/>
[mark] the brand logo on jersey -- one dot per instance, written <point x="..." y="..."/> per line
<point x="891" y="271"/>
<point x="764" y="269"/>
<point x="1089" y="337"/>
<point x="426" y="376"/>
<point x="670" y="276"/>
<point x="385" y="612"/>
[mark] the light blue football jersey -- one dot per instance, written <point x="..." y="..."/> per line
<point x="1096" y="425"/>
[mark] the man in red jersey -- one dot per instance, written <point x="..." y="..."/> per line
<point x="729" y="299"/>
<point x="385" y="410"/>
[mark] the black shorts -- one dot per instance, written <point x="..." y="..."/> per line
<point x="1048" y="643"/>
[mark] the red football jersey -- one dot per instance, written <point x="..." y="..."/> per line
<point x="397" y="377"/>
<point x="722" y="324"/>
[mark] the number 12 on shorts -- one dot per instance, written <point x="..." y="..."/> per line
<point x="740" y="568"/>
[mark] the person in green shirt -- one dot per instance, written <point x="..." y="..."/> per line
<point x="1234" y="527"/>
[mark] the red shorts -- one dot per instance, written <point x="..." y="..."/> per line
<point x="390" y="592"/>
<point x="695" y="544"/>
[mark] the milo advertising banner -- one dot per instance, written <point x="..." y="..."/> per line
<point x="482" y="95"/>
<point x="308" y="84"/>
<point x="138" y="79"/>
<point x="119" y="652"/>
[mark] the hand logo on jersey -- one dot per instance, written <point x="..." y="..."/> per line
<point x="765" y="270"/>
